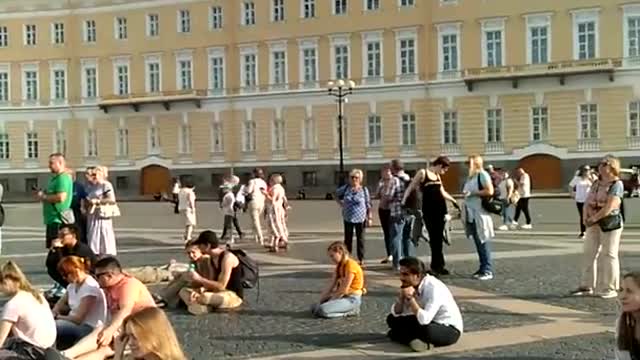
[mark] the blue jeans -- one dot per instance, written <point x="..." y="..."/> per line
<point x="396" y="232"/>
<point x="408" y="247"/>
<point x="345" y="306"/>
<point x="70" y="333"/>
<point x="507" y="218"/>
<point x="484" y="251"/>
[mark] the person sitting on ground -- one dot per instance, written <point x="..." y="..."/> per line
<point x="67" y="244"/>
<point x="223" y="291"/>
<point x="425" y="312"/>
<point x="27" y="327"/>
<point x="83" y="307"/>
<point x="344" y="295"/>
<point x="150" y="336"/>
<point x="628" y="327"/>
<point x="125" y="296"/>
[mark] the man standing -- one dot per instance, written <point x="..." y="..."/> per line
<point x="254" y="198"/>
<point x="56" y="199"/>
<point x="410" y="208"/>
<point x="524" y="188"/>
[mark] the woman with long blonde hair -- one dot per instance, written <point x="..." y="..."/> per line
<point x="150" y="336"/>
<point x="26" y="317"/>
<point x="100" y="206"/>
<point x="478" y="222"/>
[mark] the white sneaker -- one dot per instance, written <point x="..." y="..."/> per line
<point x="503" y="228"/>
<point x="526" y="227"/>
<point x="484" y="276"/>
<point x="608" y="294"/>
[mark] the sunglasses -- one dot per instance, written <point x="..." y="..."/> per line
<point x="101" y="274"/>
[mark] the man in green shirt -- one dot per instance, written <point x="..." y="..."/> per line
<point x="56" y="198"/>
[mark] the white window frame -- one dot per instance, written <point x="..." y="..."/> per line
<point x="597" y="113"/>
<point x="4" y="36"/>
<point x="216" y="18"/>
<point x="121" y="61"/>
<point x="406" y="3"/>
<point x="448" y="30"/>
<point x="630" y="11"/>
<point x="152" y="25"/>
<point x="495" y="118"/>
<point x="409" y="114"/>
<point x="245" y="51"/>
<point x="31" y="145"/>
<point x="343" y="4"/>
<point x="308" y="7"/>
<point x="153" y="137"/>
<point x="30" y="34"/>
<point x="120" y="28"/>
<point x="633" y="109"/>
<point x="87" y="64"/>
<point x="407" y="34"/>
<point x="57" y="33"/>
<point x="122" y="140"/>
<point x="374" y="143"/>
<point x="586" y="16"/>
<point x="30" y="67"/>
<point x="544" y="136"/>
<point x="248" y="13"/>
<point x="538" y="21"/>
<point x="217" y="53"/>
<point x="217" y="136"/>
<point x="184" y="55"/>
<point x="308" y="44"/>
<point x="249" y="145"/>
<point x="309" y="133"/>
<point x="491" y="25"/>
<point x="53" y="67"/>
<point x="5" y="68"/>
<point x="277" y="131"/>
<point x="89" y="31"/>
<point x="5" y="145"/>
<point x="278" y="47"/>
<point x="184" y="136"/>
<point x="340" y="40"/>
<point x="278" y="10"/>
<point x="148" y="60"/>
<point x="366" y="5"/>
<point x="450" y="117"/>
<point x="368" y="38"/>
<point x="91" y="142"/>
<point x="183" y="21"/>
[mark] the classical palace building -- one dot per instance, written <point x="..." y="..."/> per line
<point x="191" y="88"/>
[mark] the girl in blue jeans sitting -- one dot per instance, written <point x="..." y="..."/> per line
<point x="344" y="295"/>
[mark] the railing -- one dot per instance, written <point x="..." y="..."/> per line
<point x="494" y="147"/>
<point x="633" y="142"/>
<point x="547" y="68"/>
<point x="163" y="94"/>
<point x="450" y="149"/>
<point x="588" y="144"/>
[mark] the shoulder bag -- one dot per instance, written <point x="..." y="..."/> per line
<point x="489" y="203"/>
<point x="611" y="222"/>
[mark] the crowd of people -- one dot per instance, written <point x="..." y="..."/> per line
<point x="107" y="311"/>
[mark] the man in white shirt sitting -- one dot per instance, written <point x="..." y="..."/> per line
<point x="425" y="312"/>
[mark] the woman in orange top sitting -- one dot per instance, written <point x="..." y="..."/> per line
<point x="344" y="296"/>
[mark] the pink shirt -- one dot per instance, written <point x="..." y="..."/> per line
<point x="32" y="320"/>
<point x="114" y="294"/>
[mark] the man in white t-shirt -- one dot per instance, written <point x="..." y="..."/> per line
<point x="523" y="181"/>
<point x="579" y="187"/>
<point x="254" y="197"/>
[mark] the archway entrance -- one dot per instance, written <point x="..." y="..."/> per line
<point x="155" y="179"/>
<point x="545" y="171"/>
<point x="451" y="179"/>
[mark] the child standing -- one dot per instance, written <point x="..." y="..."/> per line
<point x="187" y="207"/>
<point x="229" y="211"/>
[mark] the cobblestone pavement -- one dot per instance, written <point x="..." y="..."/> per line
<point x="522" y="314"/>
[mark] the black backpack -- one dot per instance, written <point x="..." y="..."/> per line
<point x="249" y="269"/>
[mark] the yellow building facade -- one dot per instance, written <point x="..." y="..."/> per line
<point x="154" y="89"/>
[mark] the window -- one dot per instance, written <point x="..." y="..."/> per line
<point x="31" y="142"/>
<point x="407" y="56"/>
<point x="449" y="52"/>
<point x="4" y="36"/>
<point x="30" y="91"/>
<point x="184" y="21"/>
<point x="122" y="142"/>
<point x="216" y="137"/>
<point x="309" y="65"/>
<point x="633" y="36"/>
<point x="30" y="35"/>
<point x="153" y="76"/>
<point x="588" y="121"/>
<point x="59" y="91"/>
<point x="339" y="7"/>
<point x="408" y="129"/>
<point x="407" y="3"/>
<point x="186" y="78"/>
<point x="248" y="13"/>
<point x="277" y="7"/>
<point x="58" y="33"/>
<point x="153" y="25"/>
<point x="154" y="138"/>
<point x="538" y="39"/>
<point x="450" y="128"/>
<point x="60" y="141"/>
<point x="539" y="123"/>
<point x="30" y="184"/>
<point x="122" y="182"/>
<point x="494" y="125"/>
<point x="4" y="85"/>
<point x="249" y="136"/>
<point x="371" y="5"/>
<point x="279" y="68"/>
<point x="308" y="9"/>
<point x="249" y="71"/>
<point x="185" y="139"/>
<point x="634" y="119"/>
<point x="279" y="130"/>
<point x="122" y="79"/>
<point x="309" y="178"/>
<point x="373" y="65"/>
<point x="374" y="131"/>
<point x="5" y="147"/>
<point x="341" y="59"/>
<point x="216" y="18"/>
<point x="587" y="40"/>
<point x="493" y="48"/>
<point x="216" y="81"/>
<point x="309" y="134"/>
<point x="90" y="31"/>
<point x="90" y="82"/>
<point x="121" y="28"/>
<point x="91" y="143"/>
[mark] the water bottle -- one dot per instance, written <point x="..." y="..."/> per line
<point x="192" y="267"/>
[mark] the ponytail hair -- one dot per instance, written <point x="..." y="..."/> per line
<point x="11" y="271"/>
<point x="70" y="264"/>
<point x="339" y="247"/>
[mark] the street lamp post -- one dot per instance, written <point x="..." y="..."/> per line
<point x="340" y="90"/>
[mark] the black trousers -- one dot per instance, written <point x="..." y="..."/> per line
<point x="435" y="227"/>
<point x="51" y="233"/>
<point x="404" y="329"/>
<point x="523" y="206"/>
<point x="349" y="227"/>
<point x="228" y="221"/>
<point x="53" y="258"/>
<point x="175" y="204"/>
<point x="580" y="206"/>
<point x="385" y="222"/>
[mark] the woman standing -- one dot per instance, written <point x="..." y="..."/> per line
<point x="478" y="222"/>
<point x="101" y="208"/>
<point x="276" y="214"/>
<point x="604" y="224"/>
<point x="355" y="202"/>
<point x="434" y="208"/>
<point x="255" y="200"/>
<point x="580" y="186"/>
<point x="187" y="207"/>
<point x="628" y="326"/>
<point x="384" y="213"/>
<point x="524" y="189"/>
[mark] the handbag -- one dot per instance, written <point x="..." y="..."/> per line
<point x="66" y="216"/>
<point x="489" y="203"/>
<point x="610" y="222"/>
<point x="515" y="197"/>
<point x="108" y="211"/>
